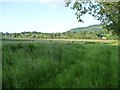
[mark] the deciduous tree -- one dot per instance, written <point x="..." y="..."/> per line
<point x="107" y="12"/>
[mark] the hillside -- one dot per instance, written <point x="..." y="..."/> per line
<point x="89" y="28"/>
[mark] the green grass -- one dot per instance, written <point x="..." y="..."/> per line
<point x="59" y="65"/>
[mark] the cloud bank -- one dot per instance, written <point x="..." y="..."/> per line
<point x="42" y="1"/>
<point x="54" y="1"/>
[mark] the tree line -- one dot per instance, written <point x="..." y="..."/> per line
<point x="103" y="34"/>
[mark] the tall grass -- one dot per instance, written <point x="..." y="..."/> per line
<point x="59" y="65"/>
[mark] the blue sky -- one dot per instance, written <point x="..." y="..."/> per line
<point x="42" y="16"/>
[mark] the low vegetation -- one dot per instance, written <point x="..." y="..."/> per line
<point x="59" y="64"/>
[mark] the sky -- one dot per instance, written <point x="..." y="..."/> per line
<point x="39" y="15"/>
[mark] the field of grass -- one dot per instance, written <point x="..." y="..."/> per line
<point x="59" y="64"/>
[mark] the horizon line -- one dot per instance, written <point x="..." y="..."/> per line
<point x="51" y="32"/>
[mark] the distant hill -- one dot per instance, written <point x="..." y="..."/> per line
<point x="89" y="28"/>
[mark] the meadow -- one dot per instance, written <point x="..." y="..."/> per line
<point x="59" y="64"/>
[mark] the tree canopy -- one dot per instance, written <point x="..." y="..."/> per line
<point x="106" y="12"/>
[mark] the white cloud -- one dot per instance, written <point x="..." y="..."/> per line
<point x="42" y="1"/>
<point x="52" y="1"/>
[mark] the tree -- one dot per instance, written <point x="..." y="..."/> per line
<point x="106" y="12"/>
<point x="51" y="36"/>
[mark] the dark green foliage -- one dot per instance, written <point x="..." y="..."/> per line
<point x="50" y="40"/>
<point x="77" y="65"/>
<point x="31" y="47"/>
<point x="89" y="42"/>
<point x="107" y="12"/>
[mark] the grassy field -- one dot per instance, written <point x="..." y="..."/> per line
<point x="59" y="64"/>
